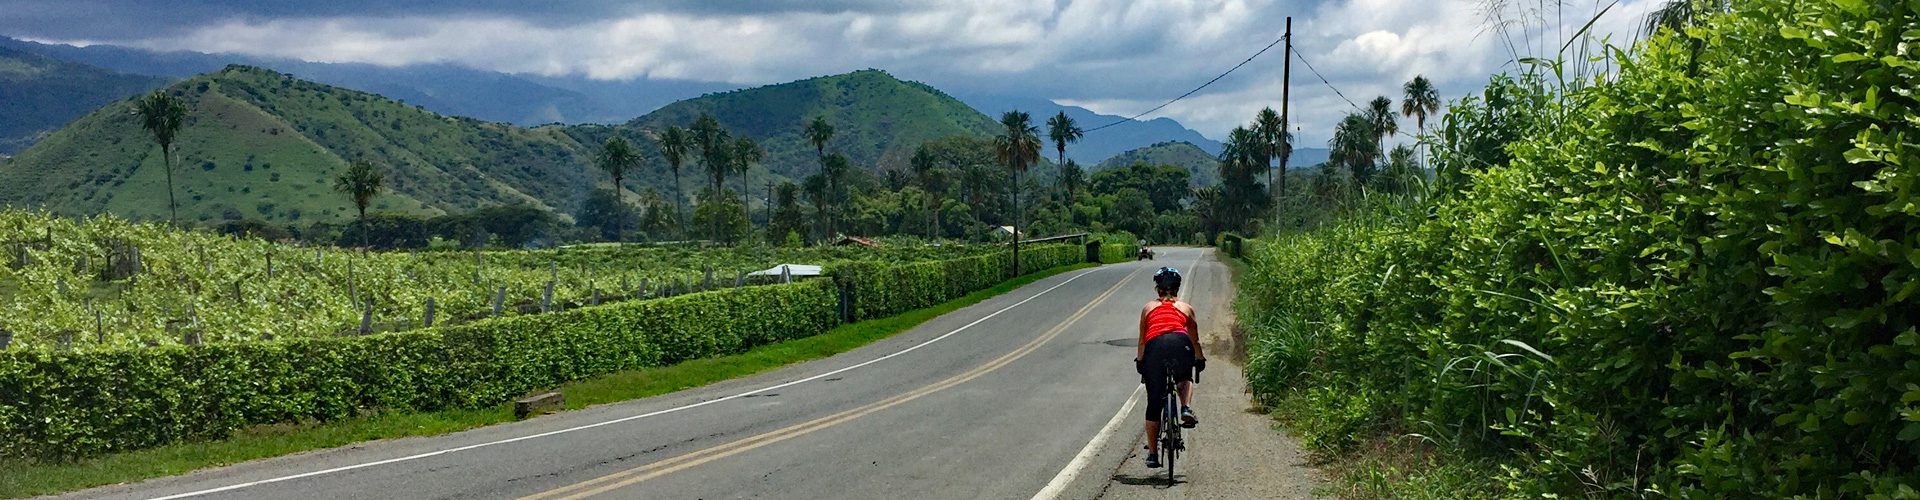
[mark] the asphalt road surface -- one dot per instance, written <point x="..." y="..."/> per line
<point x="1008" y="398"/>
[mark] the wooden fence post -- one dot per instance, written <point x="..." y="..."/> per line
<point x="427" y="320"/>
<point x="499" y="300"/>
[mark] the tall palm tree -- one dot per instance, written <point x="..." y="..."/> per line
<point x="745" y="155"/>
<point x="1380" y="117"/>
<point x="1381" y="120"/>
<point x="674" y="144"/>
<point x="819" y="132"/>
<point x="1017" y="146"/>
<point x="360" y="182"/>
<point x="1272" y="133"/>
<point x="163" y="115"/>
<point x="713" y="142"/>
<point x="617" y="157"/>
<point x="1062" y="130"/>
<point x="922" y="163"/>
<point x="835" y="168"/>
<point x="1421" y="102"/>
<point x="1354" y="146"/>
<point x="1071" y="177"/>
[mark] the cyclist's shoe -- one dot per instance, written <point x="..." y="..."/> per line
<point x="1153" y="460"/>
<point x="1187" y="420"/>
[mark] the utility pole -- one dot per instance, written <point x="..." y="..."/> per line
<point x="1286" y="85"/>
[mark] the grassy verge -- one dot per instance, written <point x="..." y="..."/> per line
<point x="18" y="479"/>
<point x="1384" y="465"/>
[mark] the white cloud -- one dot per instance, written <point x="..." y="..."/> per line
<point x="1112" y="56"/>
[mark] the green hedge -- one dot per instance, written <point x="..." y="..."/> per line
<point x="1696" y="278"/>
<point x="878" y="291"/>
<point x="74" y="403"/>
<point x="1111" y="253"/>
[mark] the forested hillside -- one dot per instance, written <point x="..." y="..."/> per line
<point x="39" y="95"/>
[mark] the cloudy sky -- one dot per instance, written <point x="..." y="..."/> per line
<point x="1113" y="56"/>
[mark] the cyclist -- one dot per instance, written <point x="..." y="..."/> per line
<point x="1168" y="334"/>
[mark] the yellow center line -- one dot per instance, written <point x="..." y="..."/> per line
<point x="638" y="474"/>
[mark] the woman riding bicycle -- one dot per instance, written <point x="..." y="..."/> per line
<point x="1168" y="338"/>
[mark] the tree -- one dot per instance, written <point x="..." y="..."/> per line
<point x="1272" y="133"/>
<point x="924" y="164"/>
<point x="745" y="155"/>
<point x="834" y="170"/>
<point x="786" y="218"/>
<point x="1402" y="173"/>
<point x="1062" y="130"/>
<point x="714" y="144"/>
<point x="1071" y="178"/>
<point x="1353" y="147"/>
<point x="1380" y="118"/>
<point x="1017" y="146"/>
<point x="1241" y="194"/>
<point x="674" y="143"/>
<point x="1421" y="102"/>
<point x="360" y="183"/>
<point x="163" y="115"/>
<point x="617" y="157"/>
<point x="606" y="213"/>
<point x="819" y="132"/>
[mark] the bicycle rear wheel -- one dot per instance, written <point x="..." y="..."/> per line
<point x="1170" y="427"/>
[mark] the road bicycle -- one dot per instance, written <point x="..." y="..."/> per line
<point x="1171" y="443"/>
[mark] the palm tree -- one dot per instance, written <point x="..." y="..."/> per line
<point x="360" y="182"/>
<point x="1062" y="130"/>
<point x="674" y="143"/>
<point x="1272" y="133"/>
<point x="1017" y="147"/>
<point x="163" y="115"/>
<point x="712" y="140"/>
<point x="1380" y="117"/>
<point x="1421" y="102"/>
<point x="1071" y="177"/>
<point x="819" y="132"/>
<point x="1354" y="146"/>
<point x="745" y="155"/>
<point x="923" y="165"/>
<point x="834" y="169"/>
<point x="617" y="157"/>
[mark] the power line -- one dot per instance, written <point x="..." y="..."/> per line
<point x="1323" y="79"/>
<point x="1195" y="89"/>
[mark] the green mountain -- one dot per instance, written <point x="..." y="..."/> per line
<point x="260" y="144"/>
<point x="1205" y="169"/>
<point x="39" y="94"/>
<point x="878" y="120"/>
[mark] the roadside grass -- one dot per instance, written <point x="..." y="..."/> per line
<point x="1386" y="464"/>
<point x="25" y="478"/>
<point x="1379" y="466"/>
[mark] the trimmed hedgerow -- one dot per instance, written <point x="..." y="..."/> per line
<point x="879" y="291"/>
<point x="73" y="403"/>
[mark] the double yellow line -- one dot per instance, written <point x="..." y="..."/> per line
<point x="636" y="475"/>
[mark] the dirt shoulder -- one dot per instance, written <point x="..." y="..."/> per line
<point x="1236" y="452"/>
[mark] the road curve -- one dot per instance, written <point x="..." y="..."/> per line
<point x="992" y="400"/>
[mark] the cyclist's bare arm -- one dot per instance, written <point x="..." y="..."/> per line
<point x="1193" y="330"/>
<point x="1140" y="348"/>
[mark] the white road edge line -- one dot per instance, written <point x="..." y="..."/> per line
<point x="1080" y="462"/>
<point x="629" y="418"/>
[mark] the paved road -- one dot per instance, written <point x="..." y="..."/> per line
<point x="993" y="400"/>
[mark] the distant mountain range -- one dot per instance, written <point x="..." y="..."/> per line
<point x="1204" y="167"/>
<point x="1098" y="145"/>
<point x="260" y="144"/>
<point x="39" y="94"/>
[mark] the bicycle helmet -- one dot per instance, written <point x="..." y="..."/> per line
<point x="1167" y="278"/>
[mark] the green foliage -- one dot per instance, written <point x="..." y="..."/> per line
<point x="1696" y="278"/>
<point x="1118" y="252"/>
<point x="1201" y="167"/>
<point x="879" y="291"/>
<point x="66" y="404"/>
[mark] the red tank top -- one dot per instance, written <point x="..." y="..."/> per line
<point x="1165" y="318"/>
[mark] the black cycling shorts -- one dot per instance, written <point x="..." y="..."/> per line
<point x="1168" y="349"/>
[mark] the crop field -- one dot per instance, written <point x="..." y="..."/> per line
<point x="109" y="282"/>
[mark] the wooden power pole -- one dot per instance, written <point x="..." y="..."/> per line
<point x="1286" y="85"/>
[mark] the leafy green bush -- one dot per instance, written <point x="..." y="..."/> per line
<point x="1113" y="252"/>
<point x="1697" y="278"/>
<point x="60" y="404"/>
<point x="879" y="291"/>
